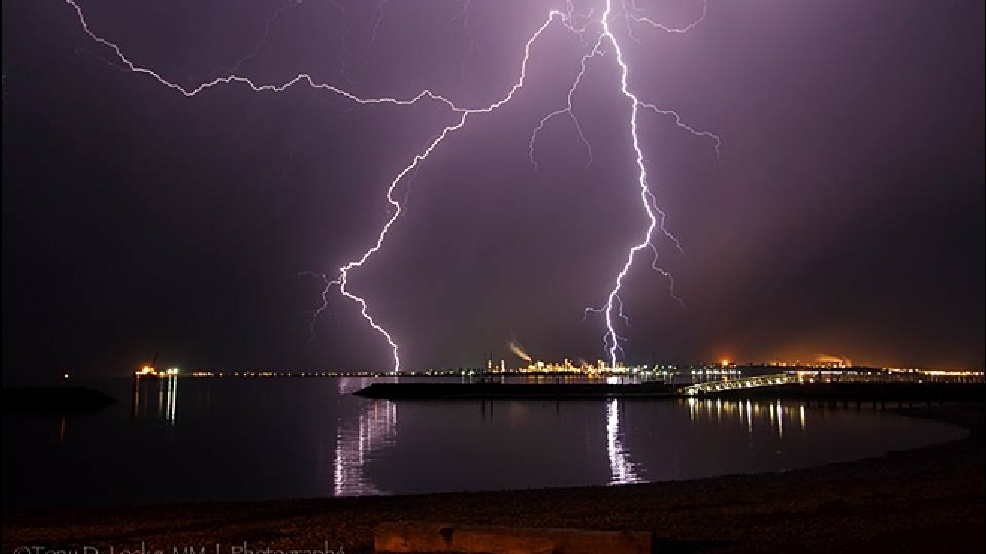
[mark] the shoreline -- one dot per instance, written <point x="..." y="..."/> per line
<point x="921" y="500"/>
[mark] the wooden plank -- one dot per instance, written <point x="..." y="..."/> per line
<point x="418" y="537"/>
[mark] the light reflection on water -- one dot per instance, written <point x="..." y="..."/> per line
<point x="746" y="411"/>
<point x="620" y="466"/>
<point x="164" y="389"/>
<point x="255" y="438"/>
<point x="372" y="430"/>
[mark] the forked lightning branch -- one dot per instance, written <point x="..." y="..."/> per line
<point x="603" y="29"/>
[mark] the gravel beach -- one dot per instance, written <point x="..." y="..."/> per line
<point x="925" y="500"/>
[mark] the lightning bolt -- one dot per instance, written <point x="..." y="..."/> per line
<point x="628" y="10"/>
<point x="575" y="23"/>
<point x="613" y="301"/>
<point x="464" y="16"/>
<point x="268" y="23"/>
<point x="613" y="307"/>
<point x="567" y="110"/>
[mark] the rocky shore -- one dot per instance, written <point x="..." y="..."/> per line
<point x="924" y="500"/>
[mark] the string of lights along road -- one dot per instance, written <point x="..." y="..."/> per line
<point x="596" y="26"/>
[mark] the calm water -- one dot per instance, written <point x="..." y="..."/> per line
<point x="255" y="438"/>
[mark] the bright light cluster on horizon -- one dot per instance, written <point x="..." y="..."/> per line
<point x="567" y="367"/>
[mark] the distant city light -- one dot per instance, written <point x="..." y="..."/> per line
<point x="725" y="370"/>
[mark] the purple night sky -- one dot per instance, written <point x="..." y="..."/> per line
<point x="845" y="216"/>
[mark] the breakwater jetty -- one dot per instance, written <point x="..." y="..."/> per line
<point x="513" y="391"/>
<point x="735" y="389"/>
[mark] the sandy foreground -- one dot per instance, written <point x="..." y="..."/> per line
<point x="926" y="500"/>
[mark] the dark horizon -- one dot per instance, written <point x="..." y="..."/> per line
<point x="844" y="218"/>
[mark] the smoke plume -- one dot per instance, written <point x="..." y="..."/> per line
<point x="517" y="349"/>
<point x="829" y="359"/>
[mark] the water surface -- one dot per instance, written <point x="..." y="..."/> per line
<point x="197" y="439"/>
